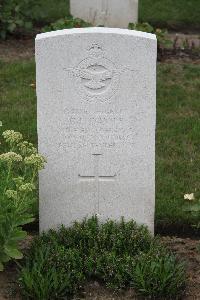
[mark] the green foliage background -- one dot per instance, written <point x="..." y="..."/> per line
<point x="164" y="13"/>
<point x="16" y="15"/>
<point x="22" y="15"/>
<point x="174" y="14"/>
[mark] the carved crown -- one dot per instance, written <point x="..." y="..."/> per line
<point x="95" y="49"/>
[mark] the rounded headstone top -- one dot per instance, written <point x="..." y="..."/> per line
<point x="95" y="30"/>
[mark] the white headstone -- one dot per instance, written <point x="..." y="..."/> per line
<point x="96" y="91"/>
<point x="110" y="13"/>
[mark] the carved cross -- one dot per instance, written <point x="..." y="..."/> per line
<point x="96" y="178"/>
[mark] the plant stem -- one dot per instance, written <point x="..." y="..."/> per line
<point x="8" y="177"/>
<point x="34" y="174"/>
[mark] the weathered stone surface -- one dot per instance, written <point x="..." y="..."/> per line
<point x="96" y="91"/>
<point x="110" y="13"/>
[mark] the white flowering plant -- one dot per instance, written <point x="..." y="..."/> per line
<point x="193" y="208"/>
<point x="19" y="167"/>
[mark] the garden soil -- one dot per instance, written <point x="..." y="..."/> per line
<point x="16" y="49"/>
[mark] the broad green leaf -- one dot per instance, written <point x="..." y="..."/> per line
<point x="192" y="208"/>
<point x="13" y="252"/>
<point x="28" y="25"/>
<point x="11" y="27"/>
<point x="4" y="258"/>
<point x="19" y="22"/>
<point x="24" y="220"/>
<point x="18" y="235"/>
<point x="17" y="8"/>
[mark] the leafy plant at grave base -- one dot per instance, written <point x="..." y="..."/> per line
<point x="66" y="23"/>
<point x="15" y="15"/>
<point x="50" y="272"/>
<point x="161" y="34"/>
<point x="158" y="274"/>
<point x="18" y="177"/>
<point x="110" y="268"/>
<point x="121" y="254"/>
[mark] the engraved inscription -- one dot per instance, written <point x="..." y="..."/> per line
<point x="106" y="129"/>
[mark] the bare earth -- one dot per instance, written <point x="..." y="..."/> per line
<point x="186" y="249"/>
<point x="12" y="49"/>
<point x="15" y="49"/>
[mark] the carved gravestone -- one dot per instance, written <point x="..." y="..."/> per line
<point x="96" y="91"/>
<point x="110" y="13"/>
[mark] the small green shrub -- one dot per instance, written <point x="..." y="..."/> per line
<point x="15" y="15"/>
<point x="121" y="254"/>
<point x="51" y="273"/>
<point x="161" y="34"/>
<point x="158" y="274"/>
<point x="112" y="269"/>
<point x="124" y="238"/>
<point x="71" y="22"/>
<point x="66" y="23"/>
<point x="18" y="177"/>
<point x="121" y="238"/>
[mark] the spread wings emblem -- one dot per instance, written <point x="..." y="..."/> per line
<point x="93" y="79"/>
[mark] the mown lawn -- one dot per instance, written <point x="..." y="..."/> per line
<point x="17" y="98"/>
<point x="178" y="136"/>
<point x="164" y="13"/>
<point x="174" y="14"/>
<point x="178" y="128"/>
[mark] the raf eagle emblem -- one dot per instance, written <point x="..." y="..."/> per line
<point x="94" y="78"/>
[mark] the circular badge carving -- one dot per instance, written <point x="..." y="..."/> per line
<point x="96" y="77"/>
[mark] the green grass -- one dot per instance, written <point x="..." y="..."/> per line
<point x="178" y="136"/>
<point x="178" y="128"/>
<point x="173" y="14"/>
<point x="164" y="13"/>
<point x="17" y="97"/>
